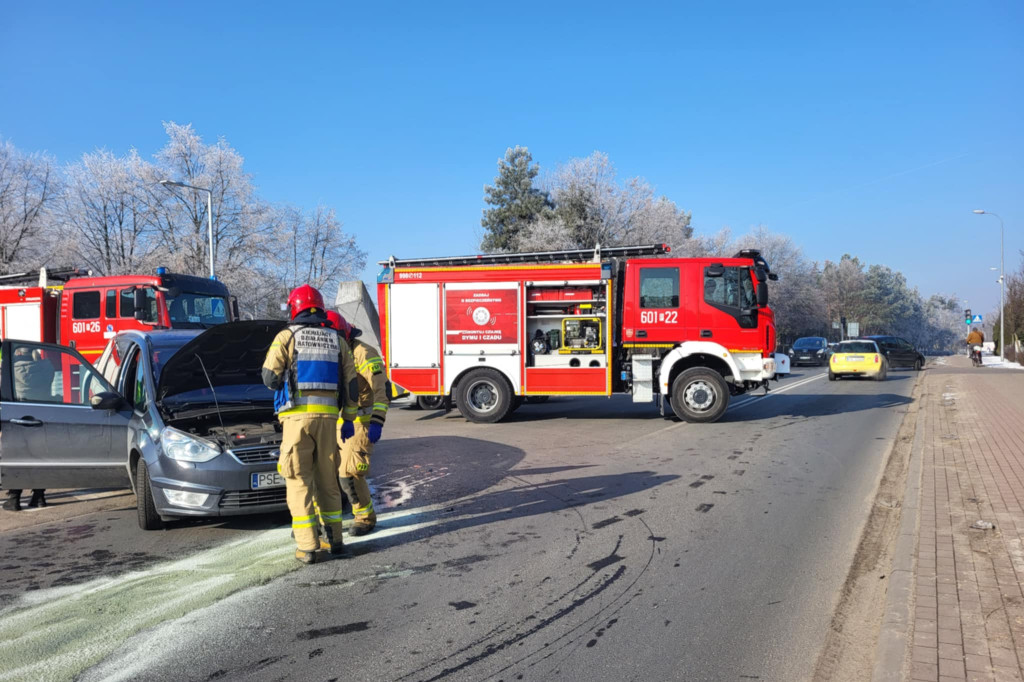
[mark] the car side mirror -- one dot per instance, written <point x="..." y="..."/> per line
<point x="139" y="301"/>
<point x="762" y="294"/>
<point x="106" y="400"/>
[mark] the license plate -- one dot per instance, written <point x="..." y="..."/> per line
<point x="267" y="479"/>
<point x="805" y="357"/>
<point x="854" y="358"/>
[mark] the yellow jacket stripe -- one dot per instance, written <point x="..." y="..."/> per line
<point x="310" y="409"/>
<point x="373" y="394"/>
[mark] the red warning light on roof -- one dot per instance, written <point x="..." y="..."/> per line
<point x="666" y="247"/>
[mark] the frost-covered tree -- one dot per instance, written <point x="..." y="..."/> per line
<point x="29" y="185"/>
<point x="842" y="284"/>
<point x="106" y="214"/>
<point x="1014" y="307"/>
<point x="242" y="223"/>
<point x="322" y="254"/>
<point x="592" y="207"/>
<point x="516" y="202"/>
<point x="888" y="304"/>
<point x="795" y="298"/>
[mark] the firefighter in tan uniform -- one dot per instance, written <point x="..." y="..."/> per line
<point x="369" y="416"/>
<point x="310" y="368"/>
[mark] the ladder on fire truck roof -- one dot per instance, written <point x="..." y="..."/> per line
<point x="571" y="256"/>
<point x="41" y="277"/>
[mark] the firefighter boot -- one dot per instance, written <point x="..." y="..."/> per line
<point x="332" y="544"/>
<point x="305" y="557"/>
<point x="13" y="501"/>
<point x="362" y="509"/>
<point x="38" y="499"/>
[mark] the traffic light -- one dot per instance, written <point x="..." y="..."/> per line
<point x="967" y="316"/>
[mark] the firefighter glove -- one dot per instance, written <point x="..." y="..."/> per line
<point x="348" y="430"/>
<point x="374" y="432"/>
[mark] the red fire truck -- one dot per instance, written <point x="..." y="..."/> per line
<point x="75" y="309"/>
<point x="491" y="331"/>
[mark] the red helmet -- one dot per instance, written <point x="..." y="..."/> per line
<point x="340" y="323"/>
<point x="304" y="298"/>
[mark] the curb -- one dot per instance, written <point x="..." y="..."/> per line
<point x="891" y="649"/>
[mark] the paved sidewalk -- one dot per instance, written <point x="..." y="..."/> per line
<point x="968" y="618"/>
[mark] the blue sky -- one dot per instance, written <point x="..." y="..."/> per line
<point x="871" y="128"/>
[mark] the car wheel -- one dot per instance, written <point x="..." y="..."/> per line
<point x="918" y="365"/>
<point x="484" y="396"/>
<point x="700" y="395"/>
<point x="148" y="518"/>
<point x="882" y="374"/>
<point x="430" y="402"/>
<point x="831" y="376"/>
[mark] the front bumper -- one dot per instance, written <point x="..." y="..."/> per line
<point x="807" y="359"/>
<point x="226" y="481"/>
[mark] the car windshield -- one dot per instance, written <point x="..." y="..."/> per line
<point x="857" y="347"/>
<point x="190" y="310"/>
<point x="809" y="343"/>
<point x="162" y="348"/>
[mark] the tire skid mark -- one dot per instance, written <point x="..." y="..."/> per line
<point x="574" y="636"/>
<point x="574" y="644"/>
<point x="518" y="637"/>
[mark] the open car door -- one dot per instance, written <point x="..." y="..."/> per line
<point x="50" y="435"/>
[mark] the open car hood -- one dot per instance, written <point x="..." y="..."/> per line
<point x="232" y="354"/>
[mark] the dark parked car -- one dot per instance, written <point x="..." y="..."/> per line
<point x="899" y="352"/>
<point x="809" y="350"/>
<point x="181" y="416"/>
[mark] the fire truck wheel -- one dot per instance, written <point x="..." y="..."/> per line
<point x="148" y="518"/>
<point x="430" y="402"/>
<point x="484" y="396"/>
<point x="700" y="394"/>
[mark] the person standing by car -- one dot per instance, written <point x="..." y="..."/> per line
<point x="373" y="410"/>
<point x="313" y="376"/>
<point x="33" y="382"/>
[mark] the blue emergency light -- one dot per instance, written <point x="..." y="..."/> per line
<point x="161" y="271"/>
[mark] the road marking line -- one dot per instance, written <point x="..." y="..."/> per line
<point x="761" y="398"/>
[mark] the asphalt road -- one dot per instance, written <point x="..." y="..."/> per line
<point x="585" y="539"/>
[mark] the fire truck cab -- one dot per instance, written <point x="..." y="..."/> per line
<point x="488" y="331"/>
<point x="75" y="309"/>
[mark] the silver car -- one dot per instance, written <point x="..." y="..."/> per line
<point x="181" y="416"/>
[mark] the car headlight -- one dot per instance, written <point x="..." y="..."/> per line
<point x="181" y="446"/>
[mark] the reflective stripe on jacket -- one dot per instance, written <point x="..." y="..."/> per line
<point x="373" y="393"/>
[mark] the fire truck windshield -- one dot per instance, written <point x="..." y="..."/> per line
<point x="190" y="310"/>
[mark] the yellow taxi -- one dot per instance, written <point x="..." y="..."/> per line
<point x="858" y="358"/>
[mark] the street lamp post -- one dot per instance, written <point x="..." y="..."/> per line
<point x="1002" y="287"/>
<point x="209" y="212"/>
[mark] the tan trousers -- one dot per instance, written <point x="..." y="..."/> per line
<point x="308" y="463"/>
<point x="354" y="467"/>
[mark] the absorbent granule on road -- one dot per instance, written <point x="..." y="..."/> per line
<point x="57" y="633"/>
